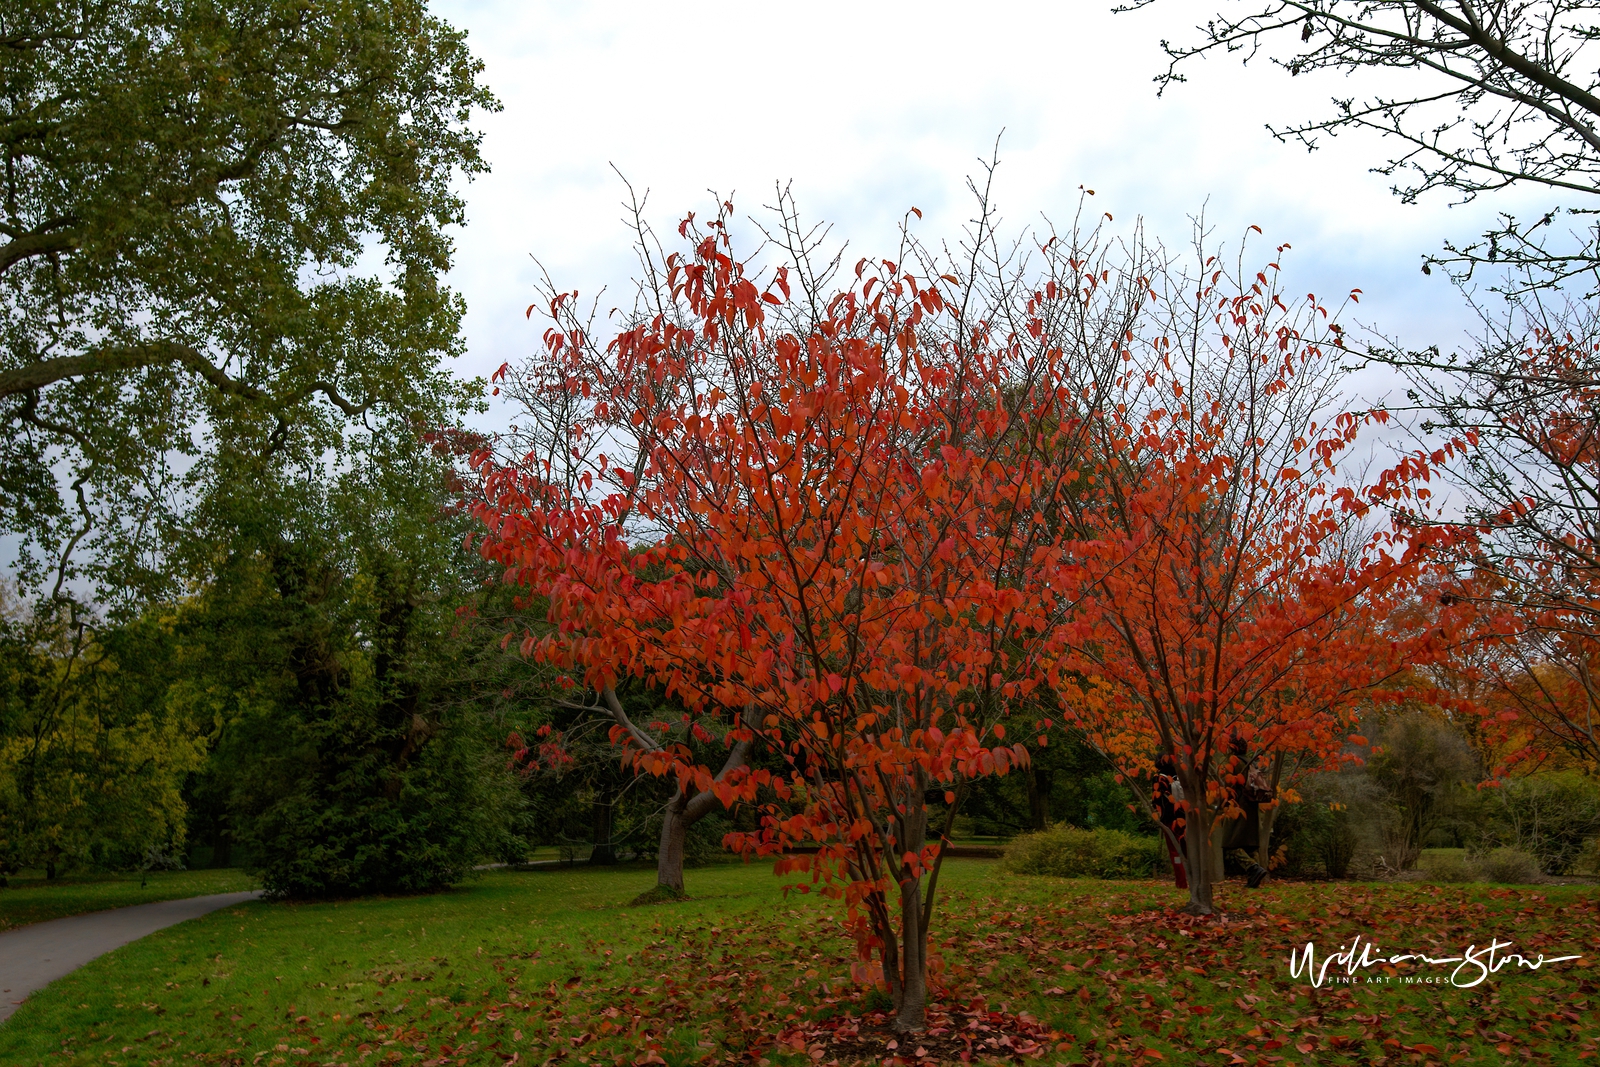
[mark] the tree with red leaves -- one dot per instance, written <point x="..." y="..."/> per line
<point x="834" y="537"/>
<point x="1238" y="605"/>
<point x="1529" y="400"/>
<point x="861" y="523"/>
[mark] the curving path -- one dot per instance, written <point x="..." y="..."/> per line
<point x="33" y="956"/>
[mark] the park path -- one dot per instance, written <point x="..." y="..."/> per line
<point x="33" y="956"/>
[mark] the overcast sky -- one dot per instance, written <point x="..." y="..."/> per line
<point x="871" y="108"/>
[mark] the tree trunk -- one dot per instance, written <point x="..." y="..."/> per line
<point x="1269" y="815"/>
<point x="1197" y="840"/>
<point x="1039" y="798"/>
<point x="911" y="1013"/>
<point x="682" y="812"/>
<point x="908" y="984"/>
<point x="674" y="832"/>
<point x="601" y="825"/>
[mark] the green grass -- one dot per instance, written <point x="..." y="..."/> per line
<point x="1458" y="853"/>
<point x="552" y="966"/>
<point x="31" y="898"/>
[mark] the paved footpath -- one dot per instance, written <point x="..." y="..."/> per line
<point x="33" y="956"/>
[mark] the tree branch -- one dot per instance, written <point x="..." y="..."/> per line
<point x="36" y="376"/>
<point x="55" y="236"/>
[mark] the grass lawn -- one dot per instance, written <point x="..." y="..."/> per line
<point x="30" y="898"/>
<point x="546" y="966"/>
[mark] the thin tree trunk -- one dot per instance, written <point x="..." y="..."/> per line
<point x="1039" y="797"/>
<point x="1197" y="840"/>
<point x="1218" y="855"/>
<point x="1264" y="836"/>
<point x="911" y="1007"/>
<point x="603" y="853"/>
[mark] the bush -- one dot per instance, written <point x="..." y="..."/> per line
<point x="1548" y="816"/>
<point x="1588" y="861"/>
<point x="1319" y="834"/>
<point x="356" y="754"/>
<point x="1509" y="865"/>
<point x="1068" y="852"/>
<point x="340" y="824"/>
<point x="1446" y="866"/>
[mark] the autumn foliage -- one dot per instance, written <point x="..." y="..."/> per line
<point x="1530" y="571"/>
<point x="1238" y="594"/>
<point x="859" y="523"/>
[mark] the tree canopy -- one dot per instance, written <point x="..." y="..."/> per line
<point x="222" y="233"/>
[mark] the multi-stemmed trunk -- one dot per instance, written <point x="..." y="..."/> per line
<point x="684" y="809"/>
<point x="1201" y="863"/>
<point x="682" y="812"/>
<point x="905" y="953"/>
<point x="911" y="998"/>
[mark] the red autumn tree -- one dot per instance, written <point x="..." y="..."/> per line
<point x="839" y="536"/>
<point x="582" y="432"/>
<point x="861" y="523"/>
<point x="1238" y="597"/>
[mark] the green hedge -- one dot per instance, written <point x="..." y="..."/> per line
<point x="1068" y="852"/>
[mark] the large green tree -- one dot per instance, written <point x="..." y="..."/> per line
<point x="222" y="229"/>
<point x="353" y="711"/>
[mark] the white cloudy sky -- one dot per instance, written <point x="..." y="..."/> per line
<point x="870" y="108"/>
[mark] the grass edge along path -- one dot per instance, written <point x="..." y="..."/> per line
<point x="29" y="899"/>
<point x="553" y="967"/>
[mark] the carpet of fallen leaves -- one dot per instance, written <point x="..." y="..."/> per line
<point x="1030" y="970"/>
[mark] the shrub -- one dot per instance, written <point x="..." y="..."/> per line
<point x="1509" y="865"/>
<point x="1549" y="816"/>
<point x="356" y="756"/>
<point x="1319" y="834"/>
<point x="1588" y="861"/>
<point x="1068" y="852"/>
<point x="1450" y="866"/>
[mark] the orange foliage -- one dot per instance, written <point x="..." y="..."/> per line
<point x="869" y="521"/>
<point x="1233" y="585"/>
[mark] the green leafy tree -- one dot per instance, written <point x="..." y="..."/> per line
<point x="1421" y="764"/>
<point x="222" y="230"/>
<point x="359" y="746"/>
<point x="92" y="754"/>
